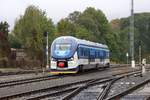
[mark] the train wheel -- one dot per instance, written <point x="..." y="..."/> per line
<point x="80" y="68"/>
<point x="96" y="66"/>
<point x="108" y="65"/>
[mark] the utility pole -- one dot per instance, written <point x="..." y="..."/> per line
<point x="140" y="53"/>
<point x="46" y="49"/>
<point x="132" y="35"/>
<point x="47" y="65"/>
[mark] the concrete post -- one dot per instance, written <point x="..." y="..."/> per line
<point x="143" y="66"/>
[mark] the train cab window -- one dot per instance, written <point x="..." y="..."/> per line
<point x="80" y="52"/>
<point x="63" y="47"/>
<point x="92" y="53"/>
<point x="102" y="54"/>
<point x="96" y="54"/>
<point x="85" y="52"/>
<point x="107" y="54"/>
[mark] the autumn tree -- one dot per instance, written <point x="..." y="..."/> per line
<point x="29" y="29"/>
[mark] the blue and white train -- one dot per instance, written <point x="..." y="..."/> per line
<point x="70" y="55"/>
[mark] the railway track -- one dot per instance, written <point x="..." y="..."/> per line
<point x="41" y="71"/>
<point x="71" y="88"/>
<point x="20" y="72"/>
<point x="129" y="90"/>
<point x="74" y="87"/>
<point x="25" y="81"/>
<point x="102" y="95"/>
<point x="61" y="87"/>
<point x="44" y="78"/>
<point x="37" y="79"/>
<point x="64" y="90"/>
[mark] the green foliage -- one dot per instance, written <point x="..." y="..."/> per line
<point x="90" y="25"/>
<point x="29" y="30"/>
<point x="141" y="33"/>
<point x="65" y="27"/>
<point x="14" y="41"/>
<point x="83" y="33"/>
<point x="73" y="17"/>
<point x="4" y="44"/>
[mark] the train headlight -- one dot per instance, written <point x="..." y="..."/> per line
<point x="52" y="59"/>
<point x="71" y="59"/>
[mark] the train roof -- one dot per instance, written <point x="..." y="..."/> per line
<point x="84" y="42"/>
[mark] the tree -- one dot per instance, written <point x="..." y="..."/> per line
<point x="91" y="25"/>
<point x="73" y="17"/>
<point x="65" y="27"/>
<point x="95" y="22"/>
<point x="29" y="29"/>
<point x="141" y="34"/>
<point x="14" y="41"/>
<point x="4" y="44"/>
<point x="91" y="20"/>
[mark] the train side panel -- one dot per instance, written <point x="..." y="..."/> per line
<point x="91" y="57"/>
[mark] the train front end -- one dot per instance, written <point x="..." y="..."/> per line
<point x="64" y="56"/>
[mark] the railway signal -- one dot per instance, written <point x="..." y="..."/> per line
<point x="127" y="55"/>
<point x="46" y="36"/>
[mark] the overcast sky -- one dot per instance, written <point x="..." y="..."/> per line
<point x="57" y="9"/>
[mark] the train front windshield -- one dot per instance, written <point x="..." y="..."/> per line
<point x="63" y="47"/>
